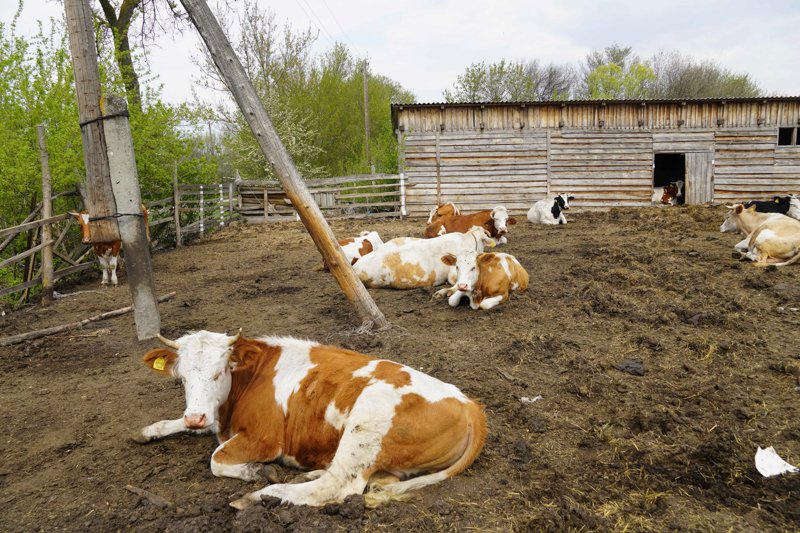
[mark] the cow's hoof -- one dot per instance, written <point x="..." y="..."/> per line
<point x="140" y="438"/>
<point x="242" y="503"/>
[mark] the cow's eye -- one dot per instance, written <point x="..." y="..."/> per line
<point x="216" y="376"/>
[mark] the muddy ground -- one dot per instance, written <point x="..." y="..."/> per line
<point x="605" y="449"/>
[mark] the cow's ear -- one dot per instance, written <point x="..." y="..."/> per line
<point x="161" y="360"/>
<point x="243" y="353"/>
<point x="512" y="221"/>
<point x="449" y="259"/>
<point x="738" y="208"/>
<point x="485" y="258"/>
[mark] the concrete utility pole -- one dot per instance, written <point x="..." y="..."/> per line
<point x="125" y="183"/>
<point x="231" y="69"/>
<point x="99" y="195"/>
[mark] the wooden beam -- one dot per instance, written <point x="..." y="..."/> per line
<point x="281" y="162"/>
<point x="47" y="212"/>
<point x="99" y="195"/>
<point x="16" y="339"/>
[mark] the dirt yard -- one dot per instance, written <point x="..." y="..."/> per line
<point x="662" y="364"/>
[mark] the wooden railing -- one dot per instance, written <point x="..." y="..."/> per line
<point x="201" y="209"/>
<point x="366" y="195"/>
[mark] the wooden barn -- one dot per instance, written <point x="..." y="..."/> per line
<point x="606" y="153"/>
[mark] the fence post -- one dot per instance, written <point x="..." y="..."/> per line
<point x="221" y="207"/>
<point x="266" y="204"/>
<point x="230" y="202"/>
<point x="202" y="213"/>
<point x="176" y="202"/>
<point x="403" y="212"/>
<point x="47" y="212"/>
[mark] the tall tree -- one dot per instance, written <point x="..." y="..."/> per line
<point x="316" y="103"/>
<point x="118" y="20"/>
<point x="681" y="76"/>
<point x="509" y="81"/>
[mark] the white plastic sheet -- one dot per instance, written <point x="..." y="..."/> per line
<point x="769" y="463"/>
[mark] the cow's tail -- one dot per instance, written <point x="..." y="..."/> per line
<point x="793" y="260"/>
<point x="380" y="494"/>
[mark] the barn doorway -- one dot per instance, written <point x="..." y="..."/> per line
<point x="668" y="168"/>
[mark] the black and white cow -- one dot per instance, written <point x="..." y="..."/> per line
<point x="550" y="211"/>
<point x="785" y="205"/>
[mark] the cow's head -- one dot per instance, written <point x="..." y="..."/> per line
<point x="731" y="222"/>
<point x="563" y="201"/>
<point x="501" y="220"/>
<point x="83" y="221"/>
<point x="201" y="360"/>
<point x="670" y="194"/>
<point x="467" y="268"/>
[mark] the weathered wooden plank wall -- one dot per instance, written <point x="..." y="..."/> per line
<point x="479" y="155"/>
<point x="650" y="116"/>
<point x="477" y="170"/>
<point x="602" y="168"/>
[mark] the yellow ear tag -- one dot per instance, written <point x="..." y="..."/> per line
<point x="777" y="201"/>
<point x="159" y="364"/>
<point x="492" y="244"/>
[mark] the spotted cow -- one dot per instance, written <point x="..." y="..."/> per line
<point x="486" y="279"/>
<point x="495" y="221"/>
<point x="356" y="422"/>
<point x="107" y="252"/>
<point x="416" y="263"/>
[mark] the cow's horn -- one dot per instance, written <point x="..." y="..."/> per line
<point x="235" y="338"/>
<point x="171" y="344"/>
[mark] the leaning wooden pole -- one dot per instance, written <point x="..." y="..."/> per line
<point x="231" y="69"/>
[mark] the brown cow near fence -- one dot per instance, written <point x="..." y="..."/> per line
<point x="107" y="252"/>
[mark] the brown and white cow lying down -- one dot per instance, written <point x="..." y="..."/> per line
<point x="486" y="279"/>
<point x="107" y="252"/>
<point x="448" y="209"/>
<point x="772" y="238"/>
<point x="409" y="263"/>
<point x="352" y="419"/>
<point x="495" y="221"/>
<point x="354" y="248"/>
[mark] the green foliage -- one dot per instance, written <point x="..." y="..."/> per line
<point x="315" y="103"/>
<point x="615" y="72"/>
<point x="506" y="81"/>
<point x="36" y="87"/>
<point x="612" y="81"/>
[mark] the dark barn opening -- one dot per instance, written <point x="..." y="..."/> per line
<point x="668" y="168"/>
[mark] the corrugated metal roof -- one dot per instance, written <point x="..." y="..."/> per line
<point x="602" y="101"/>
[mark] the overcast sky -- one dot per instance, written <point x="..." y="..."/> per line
<point x="426" y="44"/>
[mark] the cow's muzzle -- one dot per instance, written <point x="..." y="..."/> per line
<point x="462" y="287"/>
<point x="194" y="421"/>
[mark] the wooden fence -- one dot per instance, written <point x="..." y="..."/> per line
<point x="201" y="209"/>
<point x="366" y="195"/>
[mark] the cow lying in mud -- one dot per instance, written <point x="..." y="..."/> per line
<point x="409" y="263"/>
<point x="772" y="238"/>
<point x="495" y="221"/>
<point x="486" y="279"/>
<point x="356" y="422"/>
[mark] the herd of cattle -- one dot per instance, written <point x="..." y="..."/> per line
<point x="358" y="423"/>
